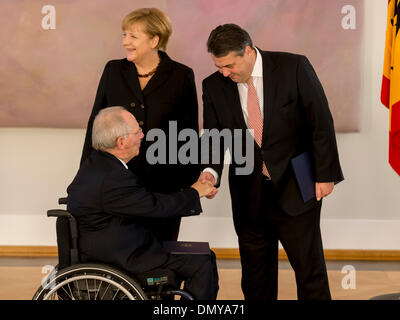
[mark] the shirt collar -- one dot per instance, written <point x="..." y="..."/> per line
<point x="123" y="163"/>
<point x="257" y="69"/>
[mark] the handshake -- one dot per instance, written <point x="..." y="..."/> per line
<point x="205" y="185"/>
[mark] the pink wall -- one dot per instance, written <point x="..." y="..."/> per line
<point x="49" y="77"/>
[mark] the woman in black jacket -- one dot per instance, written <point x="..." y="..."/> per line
<point x="157" y="91"/>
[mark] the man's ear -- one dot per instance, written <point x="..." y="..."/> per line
<point x="120" y="142"/>
<point x="248" y="50"/>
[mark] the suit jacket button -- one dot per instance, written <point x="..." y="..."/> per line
<point x="141" y="123"/>
<point x="133" y="104"/>
<point x="142" y="106"/>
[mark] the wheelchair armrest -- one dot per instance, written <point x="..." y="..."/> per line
<point x="72" y="221"/>
<point x="73" y="229"/>
<point x="58" y="213"/>
<point x="62" y="200"/>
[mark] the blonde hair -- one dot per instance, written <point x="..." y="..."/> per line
<point x="155" y="22"/>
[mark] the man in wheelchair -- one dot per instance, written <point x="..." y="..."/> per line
<point x="113" y="210"/>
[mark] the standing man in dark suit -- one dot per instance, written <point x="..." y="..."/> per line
<point x="279" y="96"/>
<point x="113" y="210"/>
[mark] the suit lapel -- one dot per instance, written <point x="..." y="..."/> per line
<point x="270" y="91"/>
<point x="233" y="102"/>
<point x="156" y="81"/>
<point x="162" y="74"/>
<point x="130" y="74"/>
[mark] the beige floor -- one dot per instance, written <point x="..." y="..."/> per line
<point x="20" y="283"/>
<point x="368" y="285"/>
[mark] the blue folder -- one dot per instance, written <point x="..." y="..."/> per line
<point x="304" y="171"/>
<point x="303" y="166"/>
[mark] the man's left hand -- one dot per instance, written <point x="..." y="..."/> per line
<point x="322" y="189"/>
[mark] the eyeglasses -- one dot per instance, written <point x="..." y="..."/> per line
<point x="137" y="133"/>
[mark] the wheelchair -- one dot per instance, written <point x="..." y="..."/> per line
<point x="72" y="280"/>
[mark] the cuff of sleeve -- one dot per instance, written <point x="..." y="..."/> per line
<point x="196" y="208"/>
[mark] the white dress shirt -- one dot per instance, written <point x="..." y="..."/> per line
<point x="257" y="75"/>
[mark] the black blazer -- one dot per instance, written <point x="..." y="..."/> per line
<point x="113" y="210"/>
<point x="296" y="119"/>
<point x="170" y="95"/>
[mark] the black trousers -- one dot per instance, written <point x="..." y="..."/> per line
<point x="300" y="236"/>
<point x="199" y="273"/>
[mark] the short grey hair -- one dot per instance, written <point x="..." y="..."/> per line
<point x="108" y="126"/>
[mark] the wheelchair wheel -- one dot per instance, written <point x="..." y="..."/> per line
<point x="89" y="282"/>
